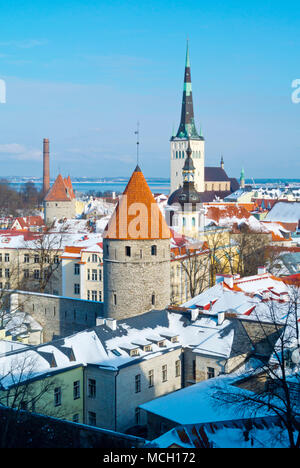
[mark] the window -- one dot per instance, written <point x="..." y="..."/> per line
<point x="128" y="251"/>
<point x="100" y="275"/>
<point x="151" y="378"/>
<point x="138" y="383"/>
<point x="94" y="258"/>
<point x="56" y="259"/>
<point x="76" y="288"/>
<point x="6" y="257"/>
<point x="137" y="416"/>
<point x="193" y="222"/>
<point x="57" y="396"/>
<point x="36" y="259"/>
<point x="153" y="250"/>
<point x="0" y="272"/>
<point x="115" y="299"/>
<point x="92" y="388"/>
<point x="153" y="299"/>
<point x="177" y="368"/>
<point x="26" y="258"/>
<point x="23" y="405"/>
<point x="94" y="295"/>
<point x="89" y="274"/>
<point x="76" y="389"/>
<point x="183" y="222"/>
<point x="194" y="369"/>
<point x="75" y="418"/>
<point x="76" y="269"/>
<point x="36" y="274"/>
<point x="100" y="296"/>
<point x="164" y="373"/>
<point x="94" y="275"/>
<point x="7" y="273"/>
<point x="210" y="373"/>
<point x="92" y="418"/>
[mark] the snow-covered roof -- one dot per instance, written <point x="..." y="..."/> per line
<point x="286" y="212"/>
<point x="196" y="404"/>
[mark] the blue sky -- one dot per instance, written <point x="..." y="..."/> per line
<point x="82" y="73"/>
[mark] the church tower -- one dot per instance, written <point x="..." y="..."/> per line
<point x="187" y="131"/>
<point x="136" y="254"/>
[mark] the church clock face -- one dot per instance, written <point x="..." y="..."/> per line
<point x="182" y="197"/>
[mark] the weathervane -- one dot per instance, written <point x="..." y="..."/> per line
<point x="137" y="133"/>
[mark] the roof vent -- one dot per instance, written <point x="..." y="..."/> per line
<point x="111" y="323"/>
<point x="194" y="314"/>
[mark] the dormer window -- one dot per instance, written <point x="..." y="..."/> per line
<point x="134" y="352"/>
<point x="161" y="344"/>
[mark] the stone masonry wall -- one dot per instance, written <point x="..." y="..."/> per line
<point x="130" y="282"/>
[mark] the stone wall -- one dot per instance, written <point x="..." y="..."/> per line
<point x="59" y="316"/>
<point x="136" y="284"/>
<point x="59" y="210"/>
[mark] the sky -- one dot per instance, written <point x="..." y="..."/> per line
<point x="83" y="73"/>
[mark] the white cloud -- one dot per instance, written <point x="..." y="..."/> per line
<point x="19" y="152"/>
<point x="24" y="44"/>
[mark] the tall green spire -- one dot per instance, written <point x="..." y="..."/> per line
<point x="187" y="58"/>
<point x="187" y="128"/>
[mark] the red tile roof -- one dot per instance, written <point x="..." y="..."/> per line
<point x="137" y="215"/>
<point x="61" y="190"/>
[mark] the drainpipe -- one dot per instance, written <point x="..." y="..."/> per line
<point x="116" y="375"/>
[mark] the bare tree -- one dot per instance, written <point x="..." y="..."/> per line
<point x="273" y="386"/>
<point x="44" y="254"/>
<point x="21" y="390"/>
<point x="195" y="264"/>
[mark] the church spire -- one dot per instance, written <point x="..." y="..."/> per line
<point x="187" y="128"/>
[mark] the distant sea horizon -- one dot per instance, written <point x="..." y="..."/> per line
<point x="118" y="184"/>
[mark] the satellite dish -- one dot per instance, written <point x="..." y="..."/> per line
<point x="296" y="356"/>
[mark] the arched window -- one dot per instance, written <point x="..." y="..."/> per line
<point x="193" y="222"/>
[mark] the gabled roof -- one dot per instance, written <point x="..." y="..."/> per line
<point x="137" y="215"/>
<point x="61" y="190"/>
<point x="28" y="221"/>
<point x="215" y="174"/>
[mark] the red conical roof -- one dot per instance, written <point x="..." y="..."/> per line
<point x="61" y="190"/>
<point x="137" y="215"/>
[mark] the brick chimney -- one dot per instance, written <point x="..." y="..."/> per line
<point x="46" y="171"/>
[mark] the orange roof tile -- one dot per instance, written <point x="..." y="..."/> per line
<point x="61" y="190"/>
<point x="137" y="215"/>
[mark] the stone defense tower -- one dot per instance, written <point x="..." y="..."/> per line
<point x="136" y="254"/>
<point x="46" y="169"/>
<point x="187" y="130"/>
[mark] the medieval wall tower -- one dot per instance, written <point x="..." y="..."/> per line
<point x="136" y="254"/>
<point x="187" y="131"/>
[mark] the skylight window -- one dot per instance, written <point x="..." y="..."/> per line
<point x="116" y="352"/>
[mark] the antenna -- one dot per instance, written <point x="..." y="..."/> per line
<point x="137" y="133"/>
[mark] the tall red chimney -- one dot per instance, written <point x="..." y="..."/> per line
<point x="46" y="171"/>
